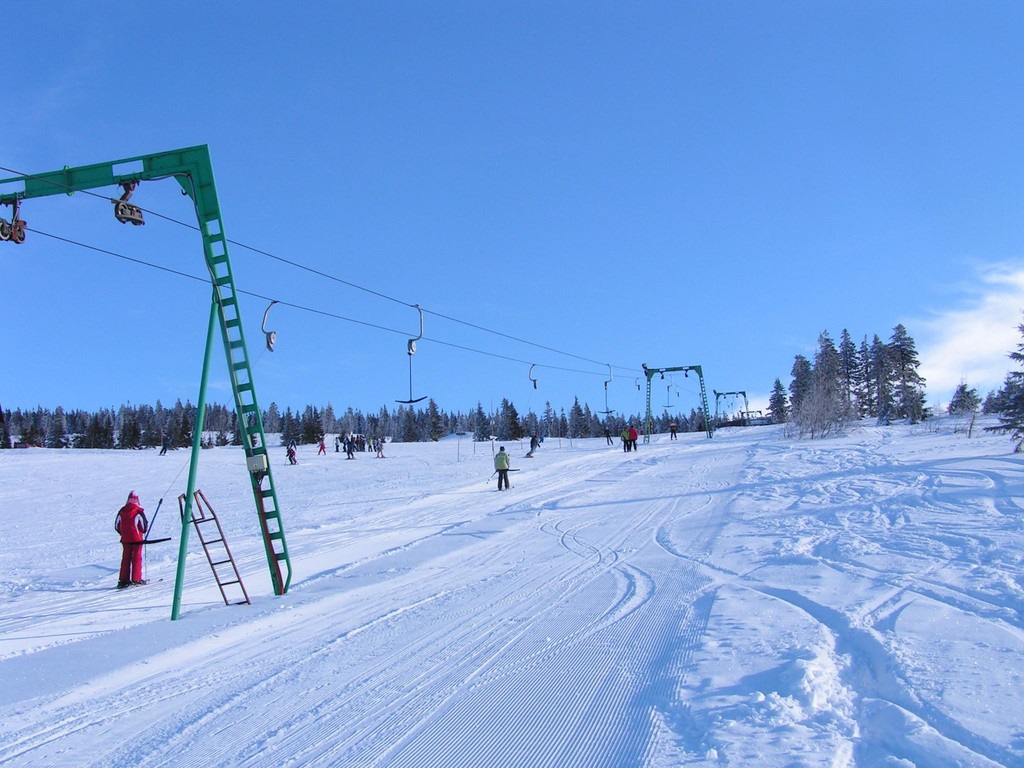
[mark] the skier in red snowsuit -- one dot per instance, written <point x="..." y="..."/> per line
<point x="132" y="524"/>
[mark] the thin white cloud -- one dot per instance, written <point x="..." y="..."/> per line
<point x="970" y="342"/>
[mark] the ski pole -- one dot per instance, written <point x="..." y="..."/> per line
<point x="153" y="521"/>
<point x="149" y="529"/>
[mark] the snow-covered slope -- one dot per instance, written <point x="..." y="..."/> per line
<point x="746" y="601"/>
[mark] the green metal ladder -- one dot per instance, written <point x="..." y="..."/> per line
<point x="250" y="421"/>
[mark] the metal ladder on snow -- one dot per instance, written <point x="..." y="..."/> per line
<point x="217" y="552"/>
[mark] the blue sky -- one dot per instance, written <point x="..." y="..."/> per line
<point x="673" y="183"/>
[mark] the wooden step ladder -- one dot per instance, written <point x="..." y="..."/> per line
<point x="215" y="546"/>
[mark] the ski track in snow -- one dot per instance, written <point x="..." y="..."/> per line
<point x="745" y="600"/>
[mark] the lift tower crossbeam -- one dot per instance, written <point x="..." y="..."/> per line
<point x="192" y="169"/>
<point x="650" y="373"/>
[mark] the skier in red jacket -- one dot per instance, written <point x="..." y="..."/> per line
<point x="132" y="524"/>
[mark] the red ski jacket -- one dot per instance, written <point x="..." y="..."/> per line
<point x="131" y="523"/>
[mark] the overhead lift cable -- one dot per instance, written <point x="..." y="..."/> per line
<point x="348" y="283"/>
<point x="303" y="307"/>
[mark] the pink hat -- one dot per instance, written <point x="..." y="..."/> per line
<point x="133" y="498"/>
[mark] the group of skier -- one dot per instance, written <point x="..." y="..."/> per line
<point x="629" y="437"/>
<point x="351" y="444"/>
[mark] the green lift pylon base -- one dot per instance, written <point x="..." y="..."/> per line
<point x="650" y="373"/>
<point x="192" y="169"/>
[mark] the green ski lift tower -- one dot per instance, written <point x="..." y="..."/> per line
<point x="650" y="373"/>
<point x="720" y="395"/>
<point x="192" y="169"/>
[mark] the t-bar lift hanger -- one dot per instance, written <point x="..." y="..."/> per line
<point x="271" y="335"/>
<point x="411" y="348"/>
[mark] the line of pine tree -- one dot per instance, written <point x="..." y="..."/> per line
<point x="145" y="426"/>
<point x="877" y="379"/>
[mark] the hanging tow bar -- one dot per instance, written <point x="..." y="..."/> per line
<point x="271" y="335"/>
<point x="411" y="349"/>
<point x="606" y="411"/>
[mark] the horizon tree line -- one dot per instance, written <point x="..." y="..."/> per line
<point x="133" y="427"/>
<point x="876" y="379"/>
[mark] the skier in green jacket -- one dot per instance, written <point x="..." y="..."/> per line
<point x="501" y="466"/>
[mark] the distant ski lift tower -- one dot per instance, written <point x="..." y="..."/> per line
<point x="192" y="169"/>
<point x="720" y="395"/>
<point x="650" y="373"/>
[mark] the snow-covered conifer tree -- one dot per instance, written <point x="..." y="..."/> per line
<point x="801" y="381"/>
<point x="849" y="361"/>
<point x="964" y="401"/>
<point x="576" y="421"/>
<point x="272" y="419"/>
<point x="903" y="358"/>
<point x="865" y="394"/>
<point x="881" y="378"/>
<point x="435" y="426"/>
<point x="1011" y="408"/>
<point x="57" y="430"/>
<point x="481" y="424"/>
<point x="778" y="403"/>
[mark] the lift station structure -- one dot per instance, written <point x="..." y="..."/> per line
<point x="192" y="169"/>
<point x="650" y="373"/>
<point x="746" y="405"/>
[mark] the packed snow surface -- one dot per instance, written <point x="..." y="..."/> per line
<point x="748" y="600"/>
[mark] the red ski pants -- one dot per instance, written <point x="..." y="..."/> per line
<point x="131" y="562"/>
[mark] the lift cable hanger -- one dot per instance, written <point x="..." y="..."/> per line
<point x="530" y="374"/>
<point x="271" y="335"/>
<point x="411" y="349"/>
<point x="124" y="211"/>
<point x="13" y="230"/>
<point x="607" y="411"/>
